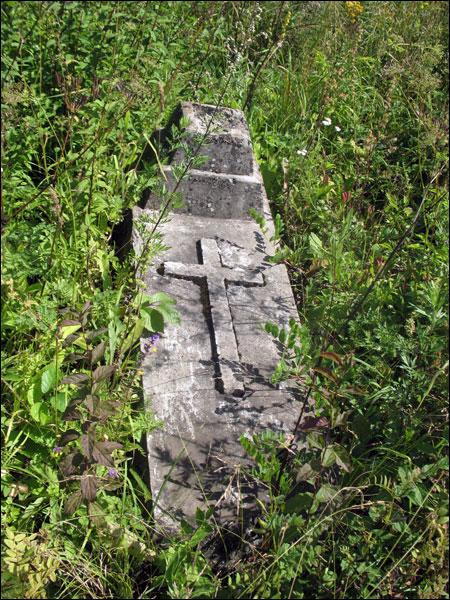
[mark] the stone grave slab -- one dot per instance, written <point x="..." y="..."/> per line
<point x="209" y="381"/>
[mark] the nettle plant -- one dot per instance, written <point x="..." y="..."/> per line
<point x="90" y="460"/>
<point x="86" y="450"/>
<point x="305" y="471"/>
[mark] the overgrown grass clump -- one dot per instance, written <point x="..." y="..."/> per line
<point x="347" y="103"/>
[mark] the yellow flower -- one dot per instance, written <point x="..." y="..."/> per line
<point x="354" y="9"/>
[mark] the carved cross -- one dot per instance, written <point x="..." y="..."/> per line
<point x="217" y="277"/>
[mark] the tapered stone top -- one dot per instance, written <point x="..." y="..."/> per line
<point x="227" y="144"/>
<point x="228" y="184"/>
<point x="209" y="380"/>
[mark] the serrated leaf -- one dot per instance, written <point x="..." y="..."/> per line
<point x="102" y="373"/>
<point x="98" y="352"/>
<point x="71" y="413"/>
<point x="343" y="458"/>
<point x="71" y="339"/>
<point x="75" y="379"/>
<point x="69" y="323"/>
<point x="93" y="334"/>
<point x="87" y="445"/>
<point x="339" y="419"/>
<point x="108" y="408"/>
<point x="336" y="454"/>
<point x="165" y="306"/>
<point x="101" y="452"/>
<point x="74" y="357"/>
<point x="73" y="502"/>
<point x="68" y="436"/>
<point x="70" y="463"/>
<point x="112" y="485"/>
<point x="92" y="403"/>
<point x="88" y="487"/>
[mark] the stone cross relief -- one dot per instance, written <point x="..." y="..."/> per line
<point x="215" y="246"/>
<point x="210" y="271"/>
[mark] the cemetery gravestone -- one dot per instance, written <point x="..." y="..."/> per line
<point x="209" y="382"/>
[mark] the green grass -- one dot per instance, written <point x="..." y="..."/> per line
<point x="347" y="105"/>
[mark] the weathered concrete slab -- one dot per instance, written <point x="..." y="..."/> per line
<point x="229" y="148"/>
<point x="209" y="381"/>
<point x="215" y="194"/>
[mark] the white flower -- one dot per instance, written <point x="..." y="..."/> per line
<point x="302" y="152"/>
<point x="326" y="122"/>
<point x="337" y="128"/>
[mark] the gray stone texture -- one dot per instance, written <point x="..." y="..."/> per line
<point x="209" y="382"/>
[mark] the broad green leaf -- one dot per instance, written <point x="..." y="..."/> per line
<point x="299" y="502"/>
<point x="69" y="330"/>
<point x="342" y="457"/>
<point x="59" y="401"/>
<point x="134" y="336"/>
<point x="153" y="319"/>
<point x="328" y="457"/>
<point x="48" y="379"/>
<point x="360" y="425"/>
<point x="315" y="440"/>
<point x="96" y="515"/>
<point x="315" y="245"/>
<point x="336" y="454"/>
<point x="305" y="472"/>
<point x="40" y="413"/>
<point x="34" y="393"/>
<point x="326" y="493"/>
<point x="157" y="320"/>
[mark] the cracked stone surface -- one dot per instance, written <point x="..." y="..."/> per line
<point x="209" y="382"/>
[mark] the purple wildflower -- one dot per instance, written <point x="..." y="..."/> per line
<point x="113" y="473"/>
<point x="57" y="449"/>
<point x="150" y="342"/>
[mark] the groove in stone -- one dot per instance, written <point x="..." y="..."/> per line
<point x="214" y="278"/>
